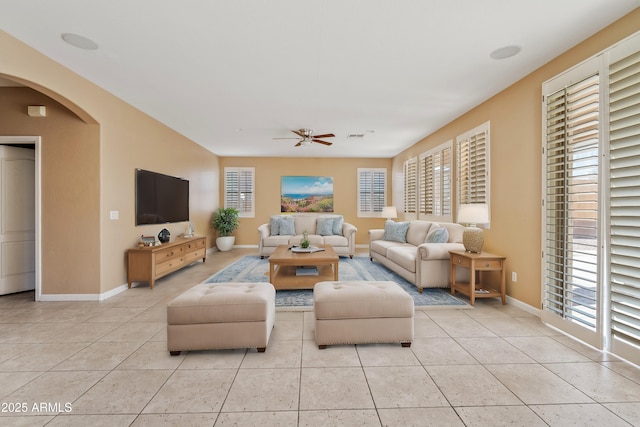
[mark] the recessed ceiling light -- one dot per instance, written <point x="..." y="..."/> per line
<point x="505" y="52"/>
<point x="79" y="41"/>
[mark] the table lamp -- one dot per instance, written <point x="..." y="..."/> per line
<point x="389" y="212"/>
<point x="472" y="214"/>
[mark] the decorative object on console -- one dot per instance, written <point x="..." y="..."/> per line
<point x="164" y="236"/>
<point x="472" y="214"/>
<point x="225" y="221"/>
<point x="189" y="230"/>
<point x="147" y="240"/>
<point x="305" y="240"/>
<point x="389" y="212"/>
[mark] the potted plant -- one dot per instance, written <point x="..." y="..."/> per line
<point x="225" y="221"/>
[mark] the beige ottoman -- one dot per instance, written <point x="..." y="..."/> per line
<point x="359" y="312"/>
<point x="221" y="315"/>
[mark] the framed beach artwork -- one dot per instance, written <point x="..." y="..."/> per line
<point x="306" y="194"/>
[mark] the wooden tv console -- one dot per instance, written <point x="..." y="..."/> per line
<point x="148" y="263"/>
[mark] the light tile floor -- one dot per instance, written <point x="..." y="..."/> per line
<point x="106" y="363"/>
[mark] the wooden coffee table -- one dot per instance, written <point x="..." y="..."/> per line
<point x="283" y="263"/>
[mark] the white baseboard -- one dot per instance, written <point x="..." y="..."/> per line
<point x="84" y="297"/>
<point x="524" y="307"/>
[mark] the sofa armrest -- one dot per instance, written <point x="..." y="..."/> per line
<point x="427" y="251"/>
<point x="348" y="230"/>
<point x="264" y="230"/>
<point x="376" y="234"/>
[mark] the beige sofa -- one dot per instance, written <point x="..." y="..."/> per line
<point x="422" y="263"/>
<point x="322" y="229"/>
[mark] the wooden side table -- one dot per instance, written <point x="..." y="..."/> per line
<point x="483" y="261"/>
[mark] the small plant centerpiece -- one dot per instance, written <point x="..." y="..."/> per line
<point x="305" y="240"/>
<point x="225" y="221"/>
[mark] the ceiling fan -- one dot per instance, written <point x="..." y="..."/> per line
<point x="306" y="136"/>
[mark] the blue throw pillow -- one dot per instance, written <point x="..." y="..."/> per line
<point x="337" y="225"/>
<point x="324" y="226"/>
<point x="396" y="231"/>
<point x="439" y="235"/>
<point x="287" y="226"/>
<point x="274" y="225"/>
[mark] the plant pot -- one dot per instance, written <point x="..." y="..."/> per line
<point x="225" y="243"/>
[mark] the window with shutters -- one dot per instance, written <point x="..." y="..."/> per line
<point x="624" y="200"/>
<point x="239" y="184"/>
<point x="591" y="206"/>
<point x="411" y="187"/>
<point x="472" y="161"/>
<point x="571" y="204"/>
<point x="435" y="183"/>
<point x="372" y="191"/>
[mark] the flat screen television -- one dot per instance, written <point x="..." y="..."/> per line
<point x="161" y="198"/>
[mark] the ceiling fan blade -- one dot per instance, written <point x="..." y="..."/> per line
<point x="298" y="144"/>
<point x="322" y="142"/>
<point x="326" y="135"/>
<point x="299" y="133"/>
<point x="285" y="138"/>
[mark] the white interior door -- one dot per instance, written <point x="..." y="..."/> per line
<point x="17" y="219"/>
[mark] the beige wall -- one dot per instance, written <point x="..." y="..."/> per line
<point x="94" y="162"/>
<point x="269" y="170"/>
<point x="70" y="188"/>
<point x="516" y="162"/>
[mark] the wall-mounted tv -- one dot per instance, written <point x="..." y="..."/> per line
<point x="161" y="198"/>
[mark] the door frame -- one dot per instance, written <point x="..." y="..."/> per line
<point x="36" y="141"/>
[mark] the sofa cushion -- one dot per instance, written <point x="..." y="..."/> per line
<point x="273" y="241"/>
<point x="396" y="231"/>
<point x="381" y="246"/>
<point x="336" y="241"/>
<point x="305" y="223"/>
<point x="314" y="239"/>
<point x="438" y="235"/>
<point x="404" y="256"/>
<point x="324" y="226"/>
<point x="455" y="231"/>
<point x="418" y="230"/>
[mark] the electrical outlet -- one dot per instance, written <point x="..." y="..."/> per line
<point x="514" y="276"/>
<point x="113" y="215"/>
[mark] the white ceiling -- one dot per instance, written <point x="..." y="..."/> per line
<point x="232" y="75"/>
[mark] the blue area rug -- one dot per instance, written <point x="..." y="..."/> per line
<point x="254" y="269"/>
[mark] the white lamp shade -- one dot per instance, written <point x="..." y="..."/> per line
<point x="389" y="212"/>
<point x="473" y="213"/>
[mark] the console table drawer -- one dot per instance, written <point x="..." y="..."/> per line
<point x="194" y="255"/>
<point x="493" y="264"/>
<point x="169" y="266"/>
<point x="169" y="253"/>
<point x="461" y="261"/>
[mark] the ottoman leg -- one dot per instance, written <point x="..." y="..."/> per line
<point x="261" y="349"/>
<point x="406" y="344"/>
<point x="174" y="353"/>
<point x="322" y="347"/>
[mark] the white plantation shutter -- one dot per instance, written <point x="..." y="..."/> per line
<point x="435" y="183"/>
<point x="410" y="185"/>
<point x="571" y="203"/>
<point x="472" y="149"/>
<point x="239" y="190"/>
<point x="372" y="191"/>
<point x="624" y="110"/>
